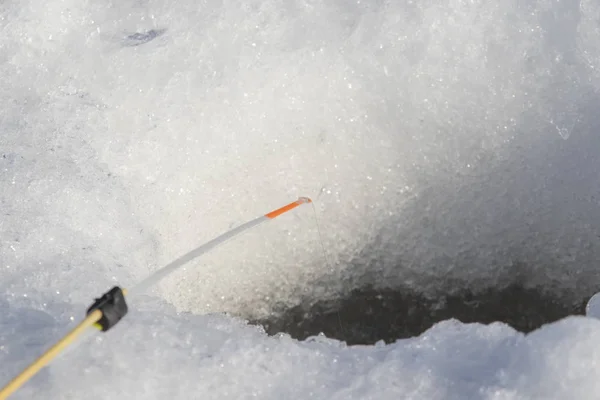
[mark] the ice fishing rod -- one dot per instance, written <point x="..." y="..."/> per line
<point x="111" y="307"/>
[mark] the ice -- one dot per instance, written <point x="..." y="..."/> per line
<point x="592" y="308"/>
<point x="446" y="144"/>
<point x="431" y="134"/>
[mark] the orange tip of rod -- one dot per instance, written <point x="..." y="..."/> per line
<point x="286" y="208"/>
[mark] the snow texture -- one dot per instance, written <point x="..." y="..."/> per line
<point x="446" y="143"/>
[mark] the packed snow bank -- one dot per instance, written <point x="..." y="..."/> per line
<point x="444" y="143"/>
<point x="155" y="354"/>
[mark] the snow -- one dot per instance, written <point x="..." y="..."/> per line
<point x="445" y="143"/>
<point x="155" y="353"/>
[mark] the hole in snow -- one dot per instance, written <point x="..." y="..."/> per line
<point x="367" y="315"/>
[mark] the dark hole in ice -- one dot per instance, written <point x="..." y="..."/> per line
<point x="368" y="315"/>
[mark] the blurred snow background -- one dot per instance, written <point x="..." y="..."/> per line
<point x="445" y="143"/>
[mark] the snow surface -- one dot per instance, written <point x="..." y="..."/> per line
<point x="446" y="143"/>
<point x="156" y="354"/>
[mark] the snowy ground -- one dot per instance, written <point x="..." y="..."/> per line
<point x="443" y="142"/>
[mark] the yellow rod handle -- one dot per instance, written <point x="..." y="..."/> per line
<point x="49" y="355"/>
